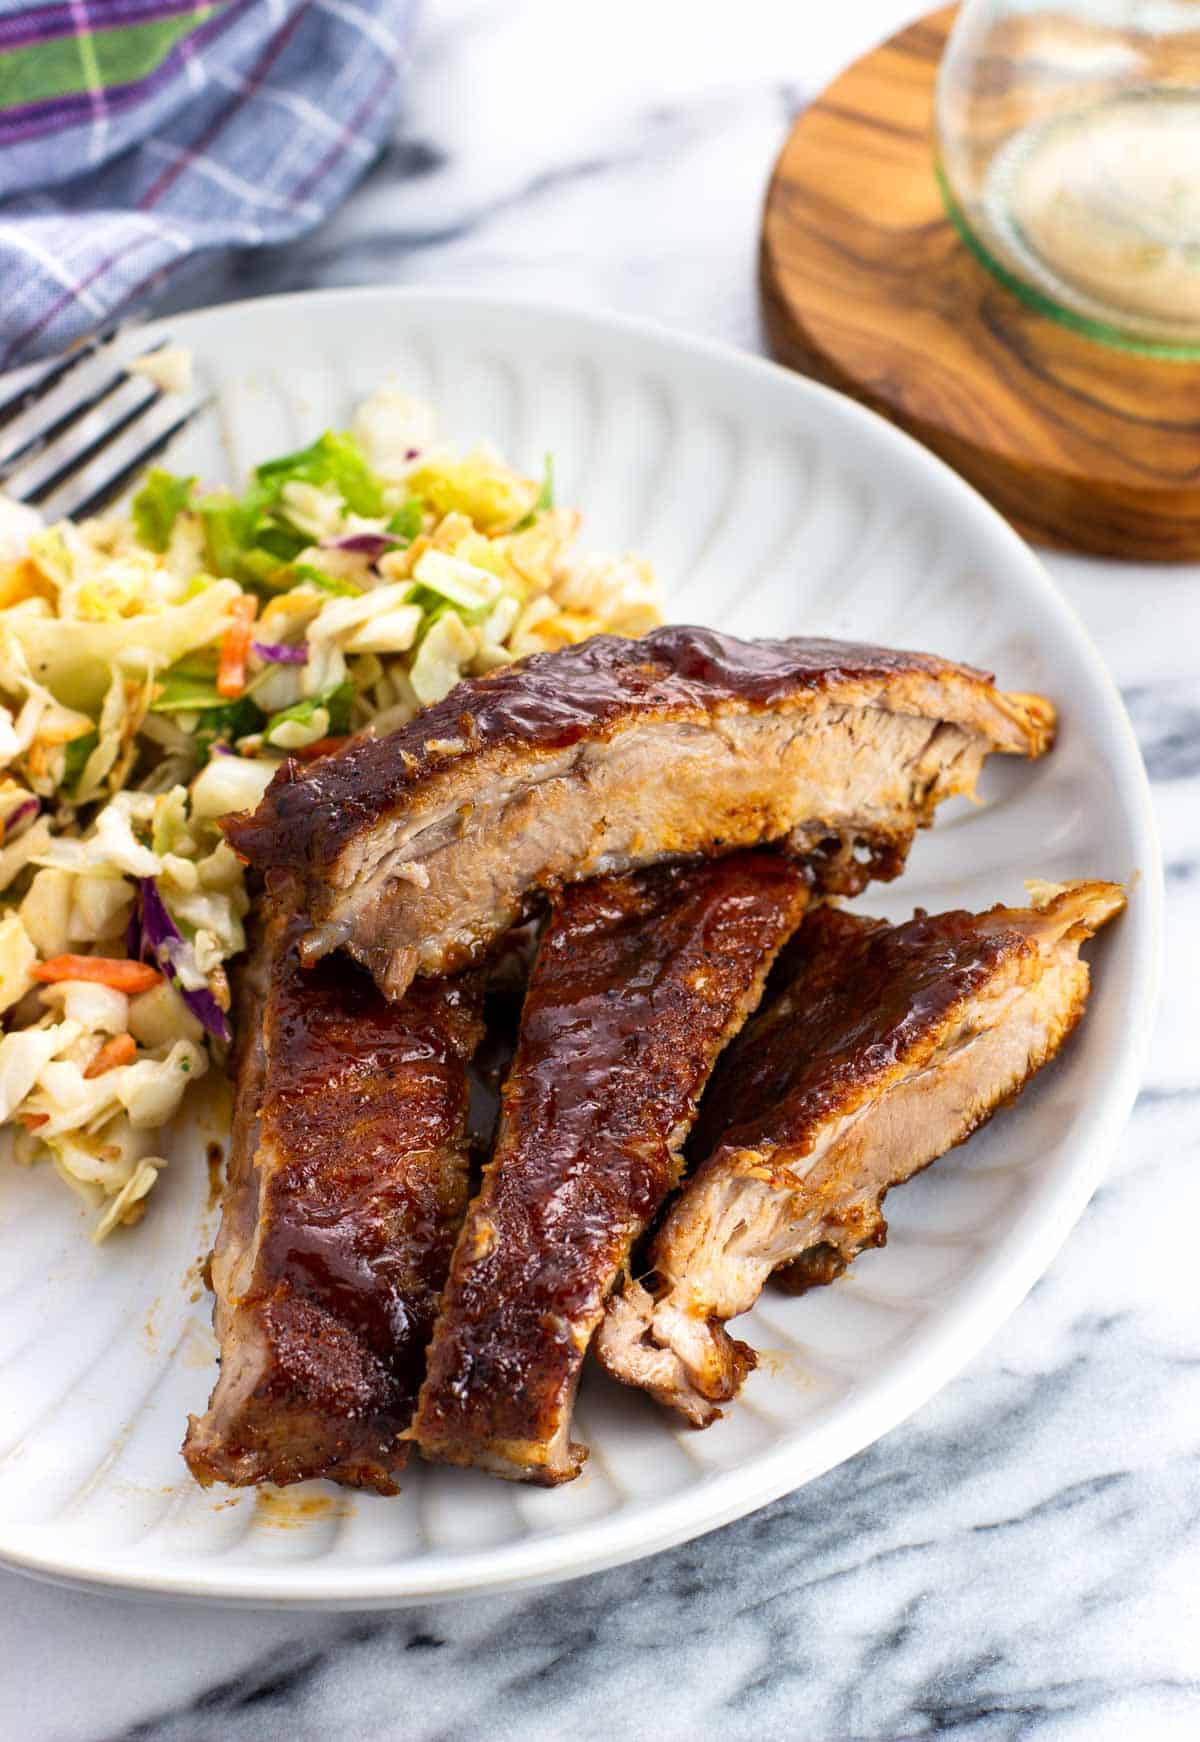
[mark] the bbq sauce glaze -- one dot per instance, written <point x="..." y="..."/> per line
<point x="366" y="1103"/>
<point x="550" y="702"/>
<point x="859" y="997"/>
<point x="361" y="1182"/>
<point x="637" y="982"/>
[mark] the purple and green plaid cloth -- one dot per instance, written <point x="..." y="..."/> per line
<point x="139" y="135"/>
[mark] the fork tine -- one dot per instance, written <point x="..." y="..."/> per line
<point x="18" y="387"/>
<point x="56" y="402"/>
<point x="45" y="466"/>
<point x="91" y="487"/>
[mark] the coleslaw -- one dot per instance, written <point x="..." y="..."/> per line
<point x="157" y="665"/>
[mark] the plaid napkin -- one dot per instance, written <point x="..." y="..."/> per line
<point x="136" y="135"/>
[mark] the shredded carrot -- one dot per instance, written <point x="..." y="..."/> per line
<point x="120" y="1050"/>
<point x="322" y="747"/>
<point x="122" y="976"/>
<point x="31" y="1121"/>
<point x="235" y="645"/>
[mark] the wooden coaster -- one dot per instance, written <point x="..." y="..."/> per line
<point x="866" y="285"/>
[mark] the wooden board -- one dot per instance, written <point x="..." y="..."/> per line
<point x="866" y="285"/>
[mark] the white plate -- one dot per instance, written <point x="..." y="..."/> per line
<point x="771" y="507"/>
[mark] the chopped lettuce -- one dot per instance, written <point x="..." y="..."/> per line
<point x="226" y="724"/>
<point x="339" y="699"/>
<point x="219" y="512"/>
<point x="191" y="688"/>
<point x="252" y="536"/>
<point x="335" y="461"/>
<point x="187" y="687"/>
<point x="408" y="519"/>
<point x="158" y="505"/>
<point x="280" y="543"/>
<point x="76" y="754"/>
<point x="233" y="527"/>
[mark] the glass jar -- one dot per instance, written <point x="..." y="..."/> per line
<point x="1068" y="141"/>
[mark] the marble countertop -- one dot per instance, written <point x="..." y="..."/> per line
<point x="1022" y="1558"/>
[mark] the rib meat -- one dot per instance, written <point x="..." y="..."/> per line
<point x="890" y="1046"/>
<point x="638" y="983"/>
<point x="348" y="1183"/>
<point x="416" y="850"/>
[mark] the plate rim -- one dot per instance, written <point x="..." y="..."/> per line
<point x="1005" y="1277"/>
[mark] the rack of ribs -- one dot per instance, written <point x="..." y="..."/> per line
<point x="348" y="1184"/>
<point x="890" y="1045"/>
<point x="638" y="983"/>
<point x="415" y="851"/>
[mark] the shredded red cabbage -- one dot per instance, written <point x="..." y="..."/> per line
<point x="368" y="544"/>
<point x="280" y="652"/>
<point x="25" y="812"/>
<point x="153" y="932"/>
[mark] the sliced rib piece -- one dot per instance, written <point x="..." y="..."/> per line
<point x="638" y="983"/>
<point x="416" y="850"/>
<point x="347" y="1186"/>
<point x="890" y="1046"/>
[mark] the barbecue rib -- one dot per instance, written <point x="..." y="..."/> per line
<point x="416" y="850"/>
<point x="348" y="1182"/>
<point x="639" y="982"/>
<point x="890" y="1046"/>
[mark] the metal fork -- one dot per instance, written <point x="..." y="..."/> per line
<point x="74" y="430"/>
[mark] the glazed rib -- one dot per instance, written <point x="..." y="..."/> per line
<point x="638" y="983"/>
<point x="348" y="1182"/>
<point x="891" y="1045"/>
<point x="416" y="850"/>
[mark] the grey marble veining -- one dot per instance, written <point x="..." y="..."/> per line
<point x="1022" y="1559"/>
